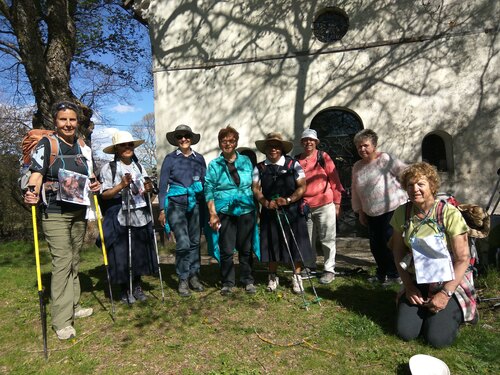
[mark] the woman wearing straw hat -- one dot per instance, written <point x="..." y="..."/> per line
<point x="124" y="184"/>
<point x="181" y="201"/>
<point x="278" y="184"/>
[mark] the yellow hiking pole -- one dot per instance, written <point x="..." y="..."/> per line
<point x="43" y="312"/>
<point x="104" y="254"/>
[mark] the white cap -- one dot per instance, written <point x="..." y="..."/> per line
<point x="310" y="133"/>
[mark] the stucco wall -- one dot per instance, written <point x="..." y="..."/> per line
<point x="406" y="68"/>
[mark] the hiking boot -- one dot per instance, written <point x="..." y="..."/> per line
<point x="183" y="288"/>
<point x="226" y="291"/>
<point x="392" y="281"/>
<point x="127" y="298"/>
<point x="138" y="294"/>
<point x="195" y="284"/>
<point x="83" y="312"/>
<point x="66" y="333"/>
<point x="327" y="277"/>
<point x="307" y="273"/>
<point x="274" y="281"/>
<point x="250" y="289"/>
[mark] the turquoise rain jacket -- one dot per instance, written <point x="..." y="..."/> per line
<point x="230" y="199"/>
<point x="176" y="190"/>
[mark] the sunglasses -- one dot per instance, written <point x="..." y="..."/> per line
<point x="180" y="136"/>
<point x="130" y="144"/>
<point x="66" y="105"/>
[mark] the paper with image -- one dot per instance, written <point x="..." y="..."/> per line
<point x="432" y="260"/>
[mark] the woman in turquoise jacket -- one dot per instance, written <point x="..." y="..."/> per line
<point x="228" y="192"/>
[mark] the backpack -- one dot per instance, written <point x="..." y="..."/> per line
<point x="475" y="217"/>
<point x="28" y="144"/>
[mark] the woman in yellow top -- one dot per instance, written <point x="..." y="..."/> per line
<point x="431" y="252"/>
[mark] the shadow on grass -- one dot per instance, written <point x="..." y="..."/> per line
<point x="376" y="303"/>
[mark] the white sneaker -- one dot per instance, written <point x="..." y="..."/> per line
<point x="83" y="312"/>
<point x="297" y="286"/>
<point x="274" y="281"/>
<point x="66" y="333"/>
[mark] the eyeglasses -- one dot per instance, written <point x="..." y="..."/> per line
<point x="130" y="144"/>
<point x="180" y="136"/>
<point x="273" y="145"/>
<point x="228" y="142"/>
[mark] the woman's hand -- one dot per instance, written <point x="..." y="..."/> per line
<point x="363" y="219"/>
<point x="281" y="201"/>
<point x="162" y="218"/>
<point x="413" y="295"/>
<point x="273" y="205"/>
<point x="126" y="180"/>
<point x="214" y="222"/>
<point x="95" y="185"/>
<point x="31" y="198"/>
<point x="148" y="185"/>
<point x="438" y="302"/>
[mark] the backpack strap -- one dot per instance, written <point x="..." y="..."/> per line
<point x="320" y="159"/>
<point x="440" y="215"/>
<point x="54" y="148"/>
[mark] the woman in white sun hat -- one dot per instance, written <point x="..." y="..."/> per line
<point x="125" y="184"/>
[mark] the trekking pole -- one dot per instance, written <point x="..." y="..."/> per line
<point x="104" y="254"/>
<point x="129" y="244"/>
<point x="43" y="312"/>
<point x="495" y="191"/>
<point x="317" y="299"/>
<point x="306" y="304"/>
<point x="156" y="246"/>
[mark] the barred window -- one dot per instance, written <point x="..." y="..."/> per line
<point x="331" y="25"/>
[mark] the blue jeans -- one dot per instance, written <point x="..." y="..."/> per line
<point x="186" y="228"/>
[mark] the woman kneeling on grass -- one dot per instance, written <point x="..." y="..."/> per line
<point x="430" y="240"/>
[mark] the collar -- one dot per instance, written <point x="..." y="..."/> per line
<point x="178" y="151"/>
<point x="280" y="162"/>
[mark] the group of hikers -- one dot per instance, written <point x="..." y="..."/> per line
<point x="276" y="210"/>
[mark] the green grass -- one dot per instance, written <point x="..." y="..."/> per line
<point x="351" y="332"/>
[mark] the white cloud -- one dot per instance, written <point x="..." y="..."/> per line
<point x="123" y="108"/>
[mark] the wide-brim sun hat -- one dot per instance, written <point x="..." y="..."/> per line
<point x="285" y="145"/>
<point x="182" y="129"/>
<point x="310" y="133"/>
<point x="422" y="364"/>
<point x="121" y="137"/>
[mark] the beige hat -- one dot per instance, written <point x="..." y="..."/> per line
<point x="121" y="137"/>
<point x="182" y="129"/>
<point x="286" y="145"/>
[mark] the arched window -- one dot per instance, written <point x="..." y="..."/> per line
<point x="436" y="150"/>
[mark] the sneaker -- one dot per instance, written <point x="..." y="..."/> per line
<point x="274" y="282"/>
<point x="327" y="277"/>
<point x="127" y="298"/>
<point x="226" y="291"/>
<point x="195" y="284"/>
<point x="183" y="288"/>
<point x="138" y="294"/>
<point x="250" y="289"/>
<point x="83" y="312"/>
<point x="377" y="280"/>
<point x="392" y="281"/>
<point x="297" y="286"/>
<point x="66" y="333"/>
<point x="307" y="273"/>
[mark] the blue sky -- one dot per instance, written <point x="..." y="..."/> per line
<point x="120" y="116"/>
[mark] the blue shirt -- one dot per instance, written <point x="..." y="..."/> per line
<point x="178" y="169"/>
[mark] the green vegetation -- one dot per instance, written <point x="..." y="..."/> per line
<point x="350" y="333"/>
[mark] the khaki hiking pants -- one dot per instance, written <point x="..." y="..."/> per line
<point x="64" y="234"/>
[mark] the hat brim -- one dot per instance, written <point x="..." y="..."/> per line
<point x="111" y="148"/>
<point x="195" y="138"/>
<point x="285" y="145"/>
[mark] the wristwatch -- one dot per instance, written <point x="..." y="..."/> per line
<point x="447" y="292"/>
<point x="289" y="200"/>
